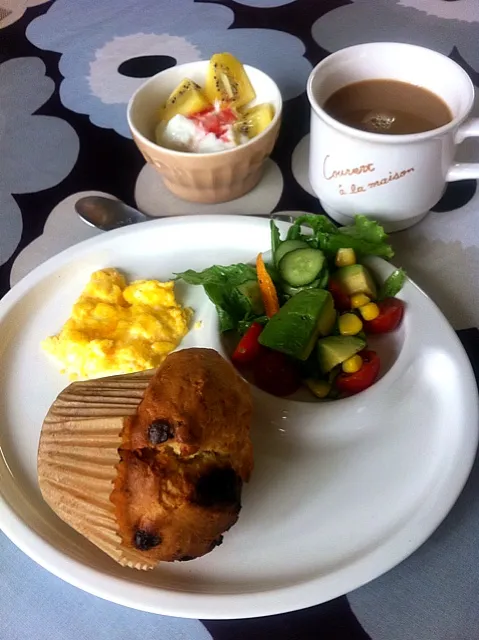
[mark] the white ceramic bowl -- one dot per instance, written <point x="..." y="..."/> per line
<point x="202" y="177"/>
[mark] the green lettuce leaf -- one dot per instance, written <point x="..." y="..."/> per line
<point x="320" y="225"/>
<point x="393" y="284"/>
<point x="244" y="325"/>
<point x="234" y="275"/>
<point x="221" y="286"/>
<point x="275" y="237"/>
<point x="365" y="236"/>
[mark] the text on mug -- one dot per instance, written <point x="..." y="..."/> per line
<point x="330" y="174"/>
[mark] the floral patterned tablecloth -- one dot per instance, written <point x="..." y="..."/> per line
<point x="67" y="70"/>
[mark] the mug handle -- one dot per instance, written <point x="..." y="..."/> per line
<point x="465" y="170"/>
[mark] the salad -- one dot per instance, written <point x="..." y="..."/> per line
<point x="304" y="318"/>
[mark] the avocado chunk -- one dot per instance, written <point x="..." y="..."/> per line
<point x="334" y="350"/>
<point x="297" y="325"/>
<point x="251" y="292"/>
<point x="356" y="279"/>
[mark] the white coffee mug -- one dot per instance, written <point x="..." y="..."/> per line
<point x="395" y="179"/>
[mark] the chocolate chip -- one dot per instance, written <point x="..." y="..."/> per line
<point x="160" y="431"/>
<point x="218" y="487"/>
<point x="185" y="558"/>
<point x="144" y="541"/>
<point x="216" y="543"/>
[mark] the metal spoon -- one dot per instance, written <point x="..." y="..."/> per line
<point x="107" y="214"/>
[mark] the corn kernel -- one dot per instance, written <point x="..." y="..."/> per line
<point x="352" y="364"/>
<point x="370" y="311"/>
<point x="349" y="324"/>
<point x="345" y="257"/>
<point x="359" y="300"/>
<point x="320" y="388"/>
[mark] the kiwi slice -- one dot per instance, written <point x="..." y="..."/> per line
<point x="227" y="82"/>
<point x="186" y="99"/>
<point x="254" y="120"/>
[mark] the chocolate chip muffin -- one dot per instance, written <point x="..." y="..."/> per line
<point x="184" y="457"/>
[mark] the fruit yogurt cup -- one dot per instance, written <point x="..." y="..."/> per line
<point x="205" y="177"/>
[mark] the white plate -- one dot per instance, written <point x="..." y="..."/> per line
<point x="341" y="492"/>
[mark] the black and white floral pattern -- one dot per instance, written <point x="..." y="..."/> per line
<point x="36" y="151"/>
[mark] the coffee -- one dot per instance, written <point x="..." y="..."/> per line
<point x="388" y="107"/>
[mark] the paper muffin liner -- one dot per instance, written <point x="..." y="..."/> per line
<point x="78" y="456"/>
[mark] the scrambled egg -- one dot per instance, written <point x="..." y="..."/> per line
<point x="117" y="328"/>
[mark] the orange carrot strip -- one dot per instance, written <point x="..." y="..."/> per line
<point x="267" y="288"/>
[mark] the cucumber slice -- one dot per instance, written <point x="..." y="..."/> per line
<point x="324" y="279"/>
<point x="301" y="266"/>
<point x="319" y="283"/>
<point x="286" y="247"/>
<point x="292" y="291"/>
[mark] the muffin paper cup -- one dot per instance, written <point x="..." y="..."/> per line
<point x="78" y="456"/>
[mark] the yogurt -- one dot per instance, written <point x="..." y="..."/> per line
<point x="208" y="132"/>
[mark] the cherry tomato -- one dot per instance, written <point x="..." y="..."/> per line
<point x="341" y="299"/>
<point x="248" y="347"/>
<point x="276" y="373"/>
<point x="351" y="383"/>
<point x="391" y="311"/>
